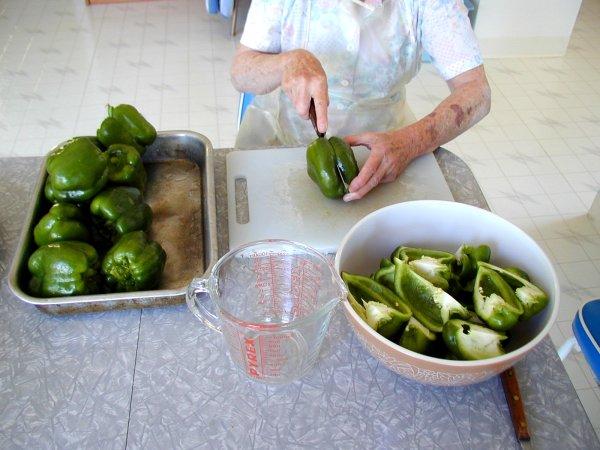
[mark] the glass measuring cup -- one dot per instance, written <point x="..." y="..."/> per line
<point x="273" y="301"/>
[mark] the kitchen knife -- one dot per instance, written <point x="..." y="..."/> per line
<point x="515" y="405"/>
<point x="313" y="118"/>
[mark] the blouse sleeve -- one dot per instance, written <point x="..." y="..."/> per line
<point x="262" y="31"/>
<point x="447" y="36"/>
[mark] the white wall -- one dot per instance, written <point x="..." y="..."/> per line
<point x="512" y="28"/>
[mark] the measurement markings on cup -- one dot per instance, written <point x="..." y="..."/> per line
<point x="268" y="268"/>
<point x="306" y="280"/>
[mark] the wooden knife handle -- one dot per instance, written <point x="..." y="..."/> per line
<point x="515" y="403"/>
<point x="313" y="118"/>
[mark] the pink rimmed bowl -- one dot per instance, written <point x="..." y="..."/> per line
<point x="445" y="226"/>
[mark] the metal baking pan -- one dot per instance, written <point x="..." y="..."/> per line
<point x="169" y="146"/>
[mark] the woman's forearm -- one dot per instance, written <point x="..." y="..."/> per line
<point x="468" y="103"/>
<point x="256" y="72"/>
<point x="298" y="72"/>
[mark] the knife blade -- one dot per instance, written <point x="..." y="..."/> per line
<point x="313" y="118"/>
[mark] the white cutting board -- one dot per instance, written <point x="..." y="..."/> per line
<point x="284" y="203"/>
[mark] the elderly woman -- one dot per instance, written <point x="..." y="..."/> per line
<point x="354" y="58"/>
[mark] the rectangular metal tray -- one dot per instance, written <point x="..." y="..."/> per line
<point x="169" y="145"/>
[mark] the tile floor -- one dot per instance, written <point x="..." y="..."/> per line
<point x="536" y="156"/>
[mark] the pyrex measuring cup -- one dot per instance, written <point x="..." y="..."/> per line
<point x="273" y="301"/>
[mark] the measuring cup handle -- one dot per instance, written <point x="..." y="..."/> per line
<point x="196" y="298"/>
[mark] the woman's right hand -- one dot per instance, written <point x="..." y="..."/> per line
<point x="303" y="78"/>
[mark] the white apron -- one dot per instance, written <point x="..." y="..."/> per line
<point x="368" y="56"/>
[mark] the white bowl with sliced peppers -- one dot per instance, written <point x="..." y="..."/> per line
<point x="446" y="293"/>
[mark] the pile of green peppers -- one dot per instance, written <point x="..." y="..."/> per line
<point x="92" y="239"/>
<point x="418" y="295"/>
<point x="331" y="164"/>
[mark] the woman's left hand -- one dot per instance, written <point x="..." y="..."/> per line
<point x="391" y="153"/>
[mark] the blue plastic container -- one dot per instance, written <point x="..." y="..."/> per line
<point x="586" y="329"/>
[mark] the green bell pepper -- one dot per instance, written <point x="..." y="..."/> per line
<point x="364" y="290"/>
<point x="467" y="257"/>
<point x="408" y="254"/>
<point x="385" y="276"/>
<point x="357" y="307"/>
<point x="134" y="263"/>
<point x="385" y="262"/>
<point x="112" y="132"/>
<point x="64" y="268"/>
<point x="518" y="272"/>
<point x="77" y="171"/>
<point x="416" y="336"/>
<point x="121" y="210"/>
<point x="125" y="166"/>
<point x="531" y="297"/>
<point x="470" y="341"/>
<point x="344" y="159"/>
<point x="384" y="319"/>
<point x="495" y="301"/>
<point x="433" y="265"/>
<point x="142" y="131"/>
<point x="431" y="305"/>
<point x="64" y="222"/>
<point x="331" y="165"/>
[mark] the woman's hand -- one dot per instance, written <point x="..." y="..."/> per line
<point x="391" y="153"/>
<point x="303" y="78"/>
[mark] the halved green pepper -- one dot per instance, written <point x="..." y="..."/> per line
<point x="385" y="276"/>
<point x="431" y="305"/>
<point x="125" y="166"/>
<point x="331" y="165"/>
<point x="416" y="336"/>
<point x="134" y="263"/>
<point x="64" y="268"/>
<point x="467" y="257"/>
<point x="470" y="341"/>
<point x="77" y="171"/>
<point x="532" y="298"/>
<point x="64" y="222"/>
<point x="364" y="290"/>
<point x="121" y="210"/>
<point x="112" y="132"/>
<point x="384" y="319"/>
<point x="357" y="307"/>
<point x="142" y="131"/>
<point x="411" y="253"/>
<point x="495" y="301"/>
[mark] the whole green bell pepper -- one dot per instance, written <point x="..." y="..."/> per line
<point x="470" y="341"/>
<point x="141" y="130"/>
<point x="64" y="222"/>
<point x="112" y="132"/>
<point x="344" y="159"/>
<point x="364" y="290"/>
<point x="134" y="263"/>
<point x="331" y="165"/>
<point x="531" y="297"/>
<point x="431" y="305"/>
<point x="125" y="166"/>
<point x="121" y="210"/>
<point x="64" y="268"/>
<point x="77" y="171"/>
<point x="495" y="301"/>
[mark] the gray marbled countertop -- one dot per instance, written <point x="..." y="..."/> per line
<point x="156" y="378"/>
